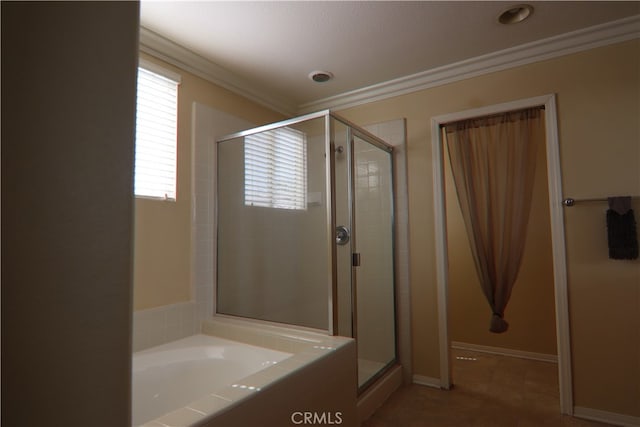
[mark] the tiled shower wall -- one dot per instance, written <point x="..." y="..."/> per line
<point x="159" y="325"/>
<point x="393" y="132"/>
<point x="208" y="126"/>
<point x="163" y="324"/>
<point x="171" y="322"/>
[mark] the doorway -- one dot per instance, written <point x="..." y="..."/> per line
<point x="557" y="237"/>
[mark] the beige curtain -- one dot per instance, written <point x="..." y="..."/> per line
<point x="493" y="165"/>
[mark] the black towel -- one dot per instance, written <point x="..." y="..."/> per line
<point x="621" y="229"/>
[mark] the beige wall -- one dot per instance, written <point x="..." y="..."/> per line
<point x="68" y="111"/>
<point x="531" y="309"/>
<point x="162" y="260"/>
<point x="598" y="108"/>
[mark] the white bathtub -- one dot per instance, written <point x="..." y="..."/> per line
<point x="172" y="375"/>
<point x="239" y="374"/>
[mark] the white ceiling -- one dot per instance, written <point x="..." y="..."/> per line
<point x="275" y="45"/>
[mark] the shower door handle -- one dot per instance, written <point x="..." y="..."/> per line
<point x="342" y="235"/>
<point x="355" y="259"/>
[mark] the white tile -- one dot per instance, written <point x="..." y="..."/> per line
<point x="189" y="328"/>
<point x="235" y="392"/>
<point x="201" y="294"/>
<point x="201" y="157"/>
<point x="209" y="308"/>
<point x="202" y="277"/>
<point x="263" y="378"/>
<point x="202" y="188"/>
<point x="209" y="404"/>
<point x="150" y="326"/>
<point x="153" y="424"/>
<point x="201" y="209"/>
<point x="173" y="332"/>
<point x="203" y="261"/>
<point x="156" y="336"/>
<point x="292" y="364"/>
<point x="204" y="246"/>
<point x="145" y="319"/>
<point x="173" y="314"/>
<point x="188" y="312"/>
<point x="202" y="172"/>
<point x="202" y="312"/>
<point x="182" y="417"/>
<point x="139" y="341"/>
<point x="205" y="230"/>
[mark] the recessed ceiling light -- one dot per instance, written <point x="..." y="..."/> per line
<point x="515" y="14"/>
<point x="320" y="76"/>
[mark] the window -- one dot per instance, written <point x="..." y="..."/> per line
<point x="156" y="133"/>
<point x="275" y="169"/>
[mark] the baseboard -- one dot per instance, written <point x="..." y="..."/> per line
<point x="606" y="417"/>
<point x="428" y="381"/>
<point x="542" y="357"/>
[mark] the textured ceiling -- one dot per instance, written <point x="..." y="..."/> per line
<point x="275" y="45"/>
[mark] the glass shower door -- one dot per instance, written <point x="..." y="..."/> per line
<point x="373" y="259"/>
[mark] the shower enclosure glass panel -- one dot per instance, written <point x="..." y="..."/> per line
<point x="305" y="232"/>
<point x="272" y="234"/>
<point x="374" y="276"/>
<point x="343" y="214"/>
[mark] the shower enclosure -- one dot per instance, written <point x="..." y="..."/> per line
<point x="305" y="232"/>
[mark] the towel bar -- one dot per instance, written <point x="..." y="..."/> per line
<point x="570" y="201"/>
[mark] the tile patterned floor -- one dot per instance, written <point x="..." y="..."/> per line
<point x="489" y="391"/>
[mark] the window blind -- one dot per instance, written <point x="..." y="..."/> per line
<point x="156" y="135"/>
<point x="275" y="169"/>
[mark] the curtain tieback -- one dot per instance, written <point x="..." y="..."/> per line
<point x="498" y="324"/>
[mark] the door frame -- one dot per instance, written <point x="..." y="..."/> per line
<point x="554" y="179"/>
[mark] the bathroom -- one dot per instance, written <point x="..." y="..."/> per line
<point x="73" y="297"/>
<point x="294" y="286"/>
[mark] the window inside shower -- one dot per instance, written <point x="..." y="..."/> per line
<point x="275" y="169"/>
<point x="272" y="238"/>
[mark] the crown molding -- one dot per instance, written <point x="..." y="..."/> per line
<point x="588" y="38"/>
<point x="552" y="47"/>
<point x="162" y="48"/>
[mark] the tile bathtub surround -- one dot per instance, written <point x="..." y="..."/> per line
<point x="208" y="125"/>
<point x="272" y="394"/>
<point x="164" y="324"/>
<point x="281" y="338"/>
<point x="326" y="386"/>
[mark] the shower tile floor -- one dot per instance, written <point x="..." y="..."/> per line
<point x="489" y="391"/>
